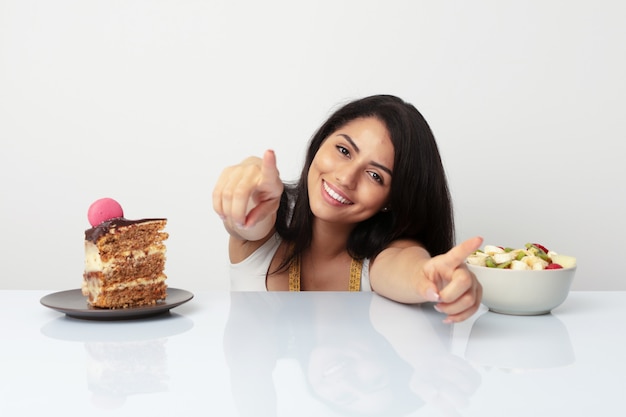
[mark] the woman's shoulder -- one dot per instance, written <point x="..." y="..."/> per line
<point x="250" y="273"/>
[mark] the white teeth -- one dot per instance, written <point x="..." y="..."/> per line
<point x="336" y="196"/>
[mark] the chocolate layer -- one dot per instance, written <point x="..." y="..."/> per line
<point x="103" y="228"/>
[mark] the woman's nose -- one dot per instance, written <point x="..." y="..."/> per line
<point x="346" y="175"/>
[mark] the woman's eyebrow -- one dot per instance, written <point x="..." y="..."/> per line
<point x="349" y="139"/>
<point x="357" y="150"/>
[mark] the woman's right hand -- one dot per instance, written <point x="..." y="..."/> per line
<point x="247" y="196"/>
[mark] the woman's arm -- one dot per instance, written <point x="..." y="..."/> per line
<point x="406" y="273"/>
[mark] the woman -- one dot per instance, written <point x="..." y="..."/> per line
<point x="371" y="211"/>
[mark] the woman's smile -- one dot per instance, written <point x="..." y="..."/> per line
<point x="335" y="195"/>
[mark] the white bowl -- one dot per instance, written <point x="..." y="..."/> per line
<point x="523" y="293"/>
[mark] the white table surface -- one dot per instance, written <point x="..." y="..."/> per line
<point x="313" y="354"/>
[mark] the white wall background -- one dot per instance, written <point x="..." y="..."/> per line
<point x="146" y="101"/>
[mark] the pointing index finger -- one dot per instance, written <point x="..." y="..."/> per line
<point x="269" y="168"/>
<point x="457" y="255"/>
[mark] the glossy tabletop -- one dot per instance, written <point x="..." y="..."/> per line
<point x="313" y="354"/>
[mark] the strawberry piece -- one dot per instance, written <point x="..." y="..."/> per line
<point x="543" y="248"/>
<point x="554" y="266"/>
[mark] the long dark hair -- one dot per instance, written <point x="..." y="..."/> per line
<point x="420" y="202"/>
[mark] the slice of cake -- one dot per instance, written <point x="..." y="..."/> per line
<point x="124" y="259"/>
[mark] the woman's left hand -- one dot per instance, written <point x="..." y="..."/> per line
<point x="447" y="281"/>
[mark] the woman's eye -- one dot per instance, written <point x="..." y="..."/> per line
<point x="376" y="177"/>
<point x="343" y="150"/>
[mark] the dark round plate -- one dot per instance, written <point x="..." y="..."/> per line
<point x="74" y="304"/>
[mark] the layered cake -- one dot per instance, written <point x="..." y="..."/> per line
<point x="124" y="259"/>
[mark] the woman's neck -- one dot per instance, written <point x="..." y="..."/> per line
<point x="329" y="239"/>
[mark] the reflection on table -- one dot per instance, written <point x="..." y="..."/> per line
<point x="519" y="343"/>
<point x="388" y="362"/>
<point x="122" y="360"/>
<point x="313" y="354"/>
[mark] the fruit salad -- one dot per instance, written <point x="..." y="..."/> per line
<point x="533" y="256"/>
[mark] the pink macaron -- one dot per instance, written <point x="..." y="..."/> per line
<point x="102" y="210"/>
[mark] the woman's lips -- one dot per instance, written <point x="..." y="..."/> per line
<point x="335" y="195"/>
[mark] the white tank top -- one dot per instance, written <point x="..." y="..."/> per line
<point x="250" y="274"/>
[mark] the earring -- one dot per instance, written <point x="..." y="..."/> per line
<point x="385" y="209"/>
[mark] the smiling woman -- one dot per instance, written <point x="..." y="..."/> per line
<point x="371" y="211"/>
<point x="350" y="179"/>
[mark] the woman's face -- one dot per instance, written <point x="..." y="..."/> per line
<point x="350" y="177"/>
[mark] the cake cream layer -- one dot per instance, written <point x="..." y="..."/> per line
<point x="95" y="285"/>
<point x="129" y="259"/>
<point x="142" y="291"/>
